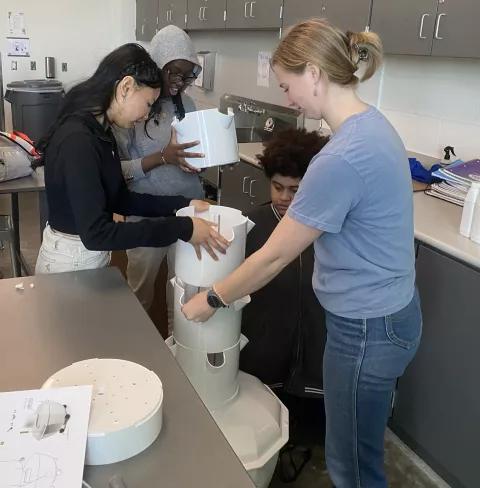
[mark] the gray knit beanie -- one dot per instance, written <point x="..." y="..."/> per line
<point x="172" y="43"/>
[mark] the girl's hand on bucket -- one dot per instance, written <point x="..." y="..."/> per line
<point x="200" y="205"/>
<point x="204" y="235"/>
<point x="197" y="308"/>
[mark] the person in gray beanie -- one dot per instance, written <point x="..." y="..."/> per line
<point x="152" y="160"/>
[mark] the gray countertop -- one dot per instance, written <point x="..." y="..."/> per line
<point x="69" y="317"/>
<point x="248" y="151"/>
<point x="34" y="182"/>
<point x="436" y="221"/>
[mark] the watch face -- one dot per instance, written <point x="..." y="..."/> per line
<point x="213" y="301"/>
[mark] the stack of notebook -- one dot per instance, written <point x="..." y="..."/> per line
<point x="456" y="180"/>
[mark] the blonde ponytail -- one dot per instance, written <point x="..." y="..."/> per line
<point x="365" y="47"/>
<point x="335" y="53"/>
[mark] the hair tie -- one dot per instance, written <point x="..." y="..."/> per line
<point x="362" y="52"/>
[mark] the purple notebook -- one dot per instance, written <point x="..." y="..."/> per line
<point x="468" y="171"/>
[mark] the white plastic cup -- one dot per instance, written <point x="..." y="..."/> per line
<point x="475" y="229"/>
<point x="469" y="205"/>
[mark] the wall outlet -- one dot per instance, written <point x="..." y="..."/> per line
<point x="13" y="66"/>
<point x="64" y="67"/>
<point x="33" y="65"/>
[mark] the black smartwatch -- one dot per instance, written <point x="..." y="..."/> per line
<point x="214" y="300"/>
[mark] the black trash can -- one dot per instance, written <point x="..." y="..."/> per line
<point x="35" y="105"/>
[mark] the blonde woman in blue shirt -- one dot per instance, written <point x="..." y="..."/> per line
<point x="355" y="205"/>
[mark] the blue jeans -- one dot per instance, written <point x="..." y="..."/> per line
<point x="363" y="359"/>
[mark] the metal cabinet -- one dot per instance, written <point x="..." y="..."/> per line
<point x="351" y="15"/>
<point x="297" y="10"/>
<point x="259" y="14"/>
<point x="173" y="12"/>
<point x="146" y="19"/>
<point x="438" y="398"/>
<point x="456" y="29"/>
<point x="206" y="14"/>
<point x="347" y="14"/>
<point x="244" y="186"/>
<point x="428" y="27"/>
<point x="405" y="27"/>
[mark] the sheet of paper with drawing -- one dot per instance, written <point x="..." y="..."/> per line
<point x="43" y="436"/>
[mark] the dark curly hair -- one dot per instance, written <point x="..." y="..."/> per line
<point x="290" y="151"/>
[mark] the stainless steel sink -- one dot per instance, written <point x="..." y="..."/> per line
<point x="255" y="121"/>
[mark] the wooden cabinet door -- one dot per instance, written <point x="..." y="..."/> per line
<point x="146" y="19"/>
<point x="406" y="27"/>
<point x="206" y="14"/>
<point x="297" y="10"/>
<point x="258" y="14"/>
<point x="438" y="399"/>
<point x="353" y="15"/>
<point x="172" y="12"/>
<point x="457" y="31"/>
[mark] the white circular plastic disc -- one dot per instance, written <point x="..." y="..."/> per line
<point x="126" y="413"/>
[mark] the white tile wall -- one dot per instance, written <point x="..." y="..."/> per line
<point x="432" y="102"/>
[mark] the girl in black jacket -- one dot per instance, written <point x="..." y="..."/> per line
<point x="83" y="175"/>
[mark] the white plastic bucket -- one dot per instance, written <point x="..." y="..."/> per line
<point x="216" y="133"/>
<point x="234" y="226"/>
<point x="218" y="333"/>
<point x="213" y="375"/>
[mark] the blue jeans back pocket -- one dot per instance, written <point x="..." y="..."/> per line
<point x="404" y="328"/>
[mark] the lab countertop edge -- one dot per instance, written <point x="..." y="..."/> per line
<point x="436" y="221"/>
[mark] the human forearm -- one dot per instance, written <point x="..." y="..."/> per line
<point x="152" y="161"/>
<point x="258" y="270"/>
<point x="145" y="205"/>
<point x="288" y="240"/>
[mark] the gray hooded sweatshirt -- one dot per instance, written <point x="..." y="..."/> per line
<point x="170" y="43"/>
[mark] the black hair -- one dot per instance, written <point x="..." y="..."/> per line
<point x="156" y="110"/>
<point x="290" y="151"/>
<point x="95" y="94"/>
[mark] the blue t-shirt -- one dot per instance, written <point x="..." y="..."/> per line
<point x="358" y="191"/>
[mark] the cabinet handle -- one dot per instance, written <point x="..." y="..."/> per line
<point x="250" y="189"/>
<point x="420" y="34"/>
<point x="245" y="9"/>
<point x="251" y="9"/>
<point x="203" y="16"/>
<point x="437" y="29"/>
<point x="200" y="13"/>
<point x="281" y="11"/>
<point x="245" y="178"/>
<point x="143" y="29"/>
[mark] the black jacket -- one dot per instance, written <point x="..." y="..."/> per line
<point x="285" y="323"/>
<point x="85" y="186"/>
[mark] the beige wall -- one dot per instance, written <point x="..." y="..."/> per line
<point x="79" y="32"/>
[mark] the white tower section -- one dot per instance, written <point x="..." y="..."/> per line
<point x="250" y="416"/>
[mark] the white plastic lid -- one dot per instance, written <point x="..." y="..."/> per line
<point x="125" y="394"/>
